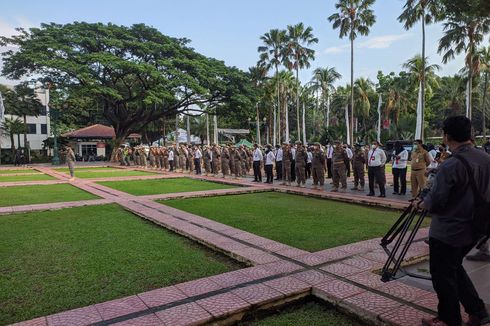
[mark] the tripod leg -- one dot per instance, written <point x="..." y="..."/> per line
<point x="396" y="228"/>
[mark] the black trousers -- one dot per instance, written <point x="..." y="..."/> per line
<point x="400" y="178"/>
<point x="197" y="165"/>
<point x="452" y="284"/>
<point x="376" y="173"/>
<point x="308" y="170"/>
<point x="257" y="172"/>
<point x="278" y="170"/>
<point x="171" y="165"/>
<point x="347" y="168"/>
<point x="293" y="170"/>
<point x="329" y="168"/>
<point x="268" y="173"/>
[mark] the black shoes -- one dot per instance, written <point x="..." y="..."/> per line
<point x="370" y="194"/>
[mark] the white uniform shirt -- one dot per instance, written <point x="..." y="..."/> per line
<point x="309" y="157"/>
<point x="376" y="157"/>
<point x="279" y="155"/>
<point x="269" y="158"/>
<point x="257" y="155"/>
<point x="349" y="153"/>
<point x="401" y="162"/>
<point x="197" y="153"/>
<point x="293" y="152"/>
<point x="170" y="155"/>
<point x="329" y="152"/>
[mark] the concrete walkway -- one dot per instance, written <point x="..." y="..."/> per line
<point x="344" y="276"/>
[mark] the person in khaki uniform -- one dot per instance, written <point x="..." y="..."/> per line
<point x="421" y="159"/>
<point x="237" y="162"/>
<point x="70" y="160"/>
<point x="215" y="153"/>
<point x="300" y="163"/>
<point x="225" y="162"/>
<point x="339" y="156"/>
<point x="243" y="160"/>
<point x="287" y="157"/>
<point x="318" y="166"/>
<point x="207" y="160"/>
<point x="358" y="165"/>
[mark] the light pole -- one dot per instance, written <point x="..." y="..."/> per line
<point x="53" y="116"/>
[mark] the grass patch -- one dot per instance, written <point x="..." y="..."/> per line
<point x="121" y="173"/>
<point x="40" y="194"/>
<point x="58" y="260"/>
<point x="310" y="313"/>
<point x="87" y="168"/>
<point x="163" y="186"/>
<point x="29" y="177"/>
<point x="2" y="171"/>
<point x="308" y="223"/>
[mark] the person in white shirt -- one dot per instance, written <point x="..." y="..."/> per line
<point x="257" y="158"/>
<point x="171" y="158"/>
<point x="197" y="159"/>
<point x="309" y="158"/>
<point x="329" y="160"/>
<point x="376" y="162"/>
<point x="293" y="162"/>
<point x="279" y="155"/>
<point x="348" y="150"/>
<point x="399" y="162"/>
<point x="268" y="163"/>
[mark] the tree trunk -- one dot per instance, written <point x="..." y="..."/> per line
<point x="207" y="129"/>
<point x="177" y="129"/>
<point x="297" y="104"/>
<point x="258" y="124"/>
<point x="18" y="140"/>
<point x="118" y="141"/>
<point x="351" y="91"/>
<point x="188" y="130"/>
<point x="470" y="83"/>
<point x="304" y="124"/>
<point x="422" y="84"/>
<point x="483" y="106"/>
<point x="286" y="113"/>
<point x="25" y="131"/>
<point x="278" y="98"/>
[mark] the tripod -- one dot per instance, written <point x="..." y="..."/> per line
<point x="412" y="218"/>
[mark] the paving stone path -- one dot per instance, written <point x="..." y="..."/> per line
<point x="344" y="276"/>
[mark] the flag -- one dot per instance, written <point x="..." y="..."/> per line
<point x="380" y="101"/>
<point x="2" y="108"/>
<point x="418" y="128"/>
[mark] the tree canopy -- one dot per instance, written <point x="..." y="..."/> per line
<point x="136" y="74"/>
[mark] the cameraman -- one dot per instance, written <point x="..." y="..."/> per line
<point x="451" y="204"/>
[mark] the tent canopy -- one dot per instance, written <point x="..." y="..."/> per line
<point x="245" y="143"/>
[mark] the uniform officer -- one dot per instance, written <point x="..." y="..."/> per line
<point x="318" y="165"/>
<point x="300" y="163"/>
<point x="358" y="165"/>
<point x="339" y="176"/>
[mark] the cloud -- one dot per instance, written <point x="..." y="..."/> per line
<point x="377" y="42"/>
<point x="336" y="49"/>
<point x="383" y="41"/>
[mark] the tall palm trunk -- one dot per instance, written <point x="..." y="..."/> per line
<point x="351" y="128"/>
<point x="304" y="124"/>
<point x="470" y="79"/>
<point x="422" y="84"/>
<point x="483" y="106"/>
<point x="278" y="99"/>
<point x="286" y="113"/>
<point x="297" y="103"/>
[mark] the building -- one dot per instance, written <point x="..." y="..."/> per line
<point x="38" y="128"/>
<point x="94" y="140"/>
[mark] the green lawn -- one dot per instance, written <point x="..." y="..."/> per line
<point x="163" y="186"/>
<point x="39" y="194"/>
<point x="29" y="177"/>
<point x="303" y="222"/>
<point x="2" y="171"/>
<point x="121" y="173"/>
<point x="57" y="260"/>
<point x="88" y="168"/>
<point x="312" y="314"/>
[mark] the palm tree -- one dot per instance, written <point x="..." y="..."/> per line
<point x="463" y="33"/>
<point x="287" y="83"/>
<point x="484" y="58"/>
<point x="363" y="88"/>
<point x="450" y="94"/>
<point x="323" y="80"/>
<point x="427" y="12"/>
<point x="421" y="73"/>
<point x="298" y="56"/>
<point x="353" y="17"/>
<point x="13" y="126"/>
<point x="258" y="75"/>
<point x="272" y="54"/>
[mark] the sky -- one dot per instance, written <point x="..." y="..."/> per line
<point x="229" y="30"/>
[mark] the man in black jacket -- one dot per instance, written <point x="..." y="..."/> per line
<point x="451" y="203"/>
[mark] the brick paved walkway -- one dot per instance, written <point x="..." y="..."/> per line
<point x="344" y="276"/>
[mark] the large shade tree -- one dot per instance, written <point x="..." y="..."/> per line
<point x="138" y="74"/>
<point x="353" y="18"/>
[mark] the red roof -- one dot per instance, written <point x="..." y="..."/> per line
<point x="94" y="131"/>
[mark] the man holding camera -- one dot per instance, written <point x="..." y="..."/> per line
<point x="451" y="203"/>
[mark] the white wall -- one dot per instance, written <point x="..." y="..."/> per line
<point x="35" y="140"/>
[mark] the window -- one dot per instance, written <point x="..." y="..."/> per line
<point x="44" y="129"/>
<point x="31" y="129"/>
<point x="89" y="149"/>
